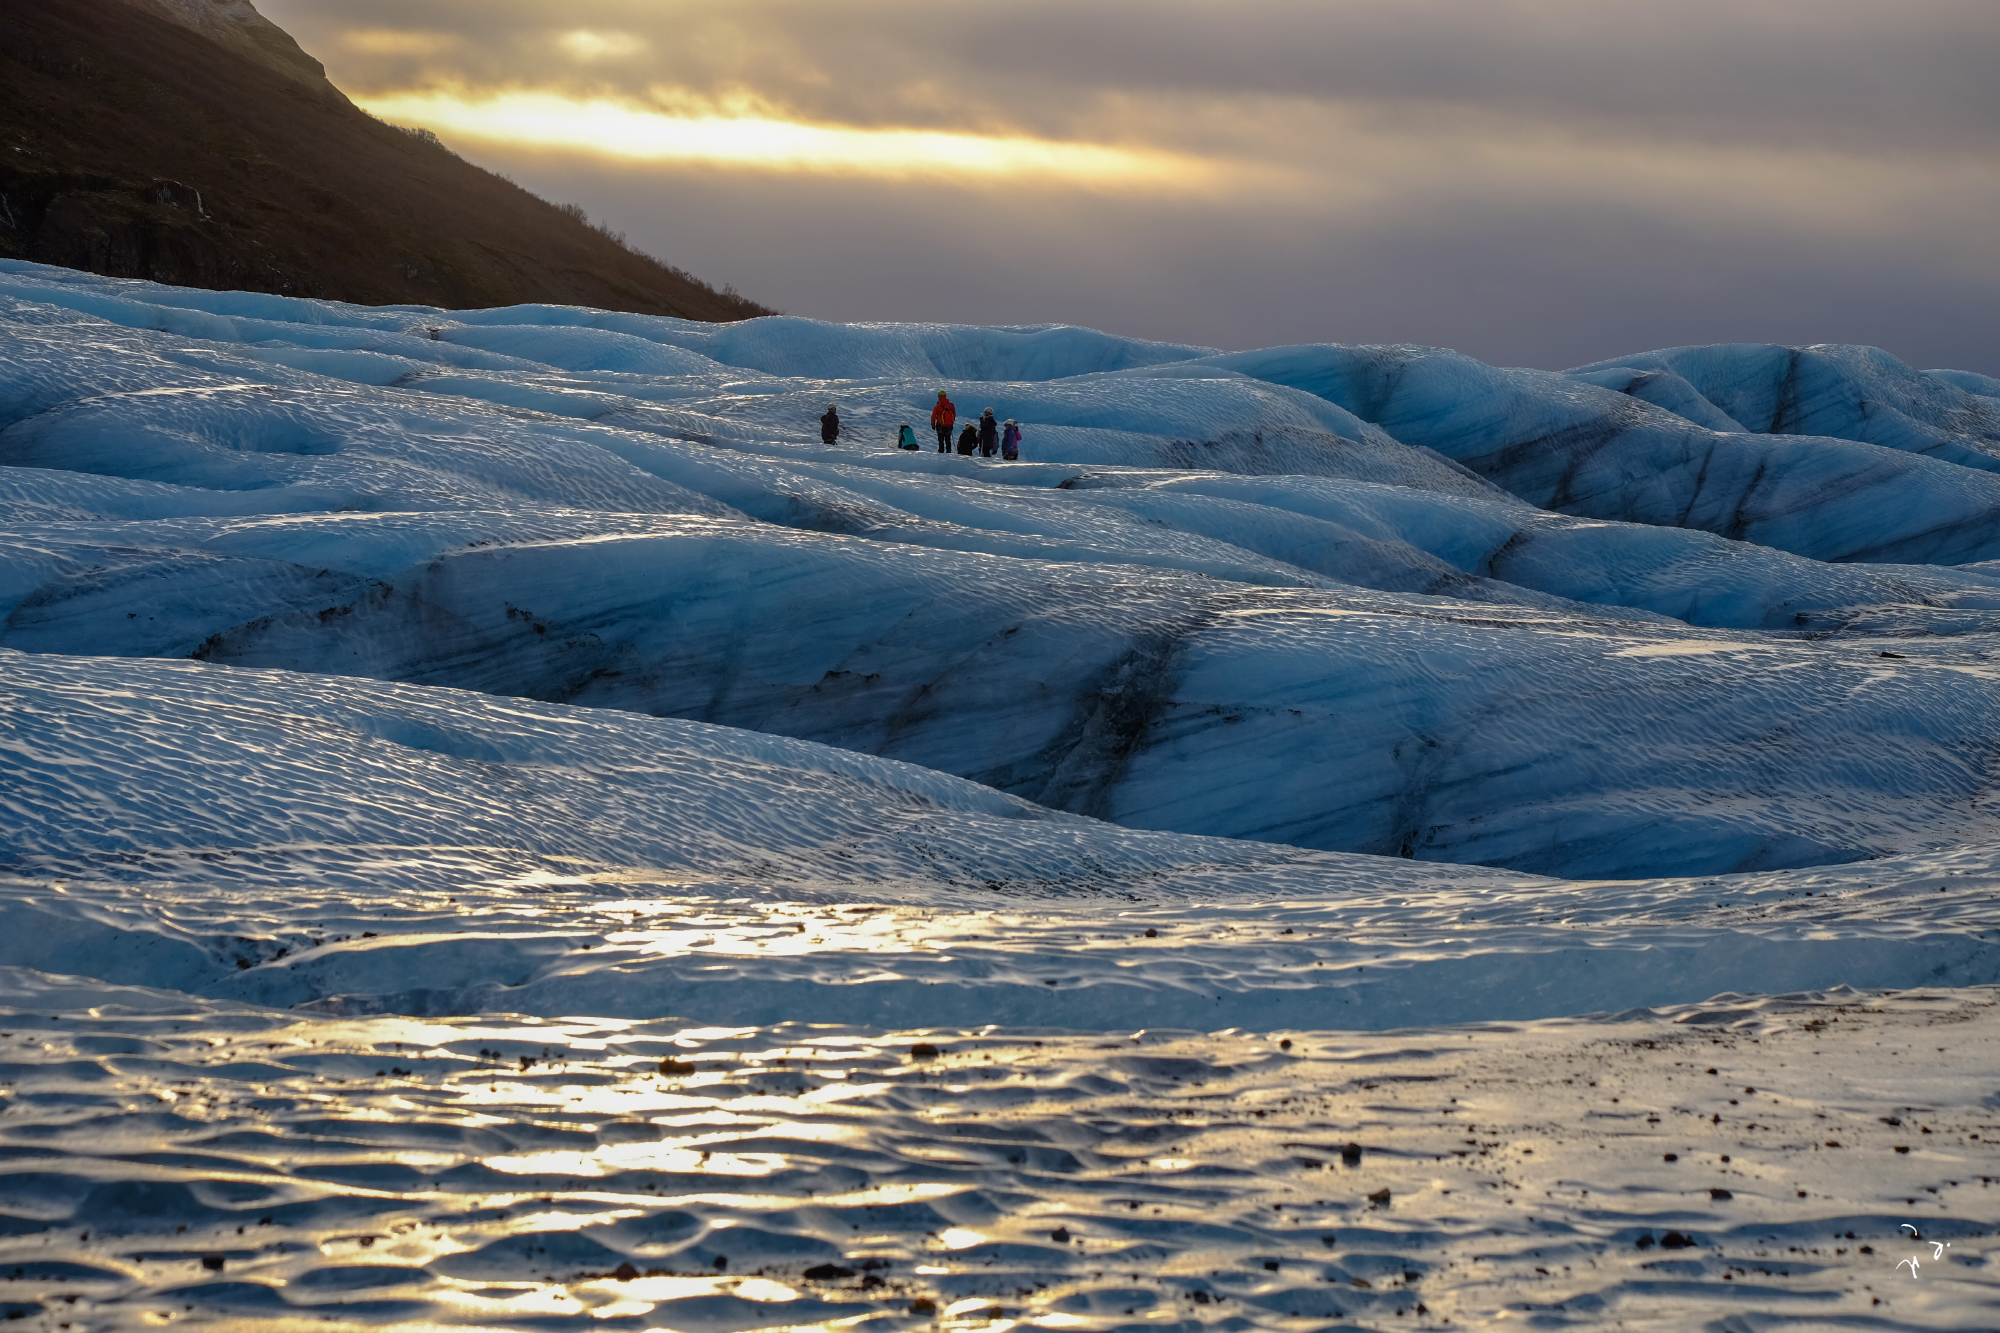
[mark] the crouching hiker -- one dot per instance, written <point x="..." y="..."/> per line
<point x="905" y="437"/>
<point x="989" y="434"/>
<point x="942" y="418"/>
<point x="968" y="441"/>
<point x="829" y="426"/>
<point x="1010" y="440"/>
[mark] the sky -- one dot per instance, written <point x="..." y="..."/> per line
<point x="1533" y="182"/>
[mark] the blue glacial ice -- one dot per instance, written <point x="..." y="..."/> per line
<point x="1571" y="444"/>
<point x="500" y="827"/>
<point x="1850" y="393"/>
<point x="1316" y="596"/>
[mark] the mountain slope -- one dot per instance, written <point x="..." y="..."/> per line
<point x="136" y="145"/>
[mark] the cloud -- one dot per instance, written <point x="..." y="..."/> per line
<point x="397" y="42"/>
<point x="1530" y="175"/>
<point x="626" y="129"/>
<point x="1833" y="71"/>
<point x="583" y="44"/>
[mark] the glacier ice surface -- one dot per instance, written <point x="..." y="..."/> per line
<point x="1285" y="595"/>
<point x="416" y="725"/>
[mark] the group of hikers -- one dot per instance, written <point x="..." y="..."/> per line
<point x="987" y="438"/>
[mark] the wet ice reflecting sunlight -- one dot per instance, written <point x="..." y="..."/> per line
<point x="173" y="1161"/>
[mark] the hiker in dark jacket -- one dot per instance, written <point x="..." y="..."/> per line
<point x="989" y="434"/>
<point x="968" y="441"/>
<point x="829" y="426"/>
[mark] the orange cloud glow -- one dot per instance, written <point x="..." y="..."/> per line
<point x="637" y="132"/>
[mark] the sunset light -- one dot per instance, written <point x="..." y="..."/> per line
<point x="584" y="44"/>
<point x="758" y="666"/>
<point x="636" y="132"/>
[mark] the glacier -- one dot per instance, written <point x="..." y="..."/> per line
<point x="490" y="803"/>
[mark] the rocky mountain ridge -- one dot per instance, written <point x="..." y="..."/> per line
<point x="237" y="25"/>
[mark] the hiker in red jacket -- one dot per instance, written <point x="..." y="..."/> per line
<point x="942" y="418"/>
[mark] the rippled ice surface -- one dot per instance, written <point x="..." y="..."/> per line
<point x="1746" y="1164"/>
<point x="291" y="1034"/>
<point x="599" y="858"/>
<point x="1624" y="622"/>
<point x="357" y="847"/>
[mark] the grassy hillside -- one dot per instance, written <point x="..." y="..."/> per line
<point x="133" y="146"/>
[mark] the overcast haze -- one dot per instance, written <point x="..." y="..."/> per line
<point x="1534" y="183"/>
